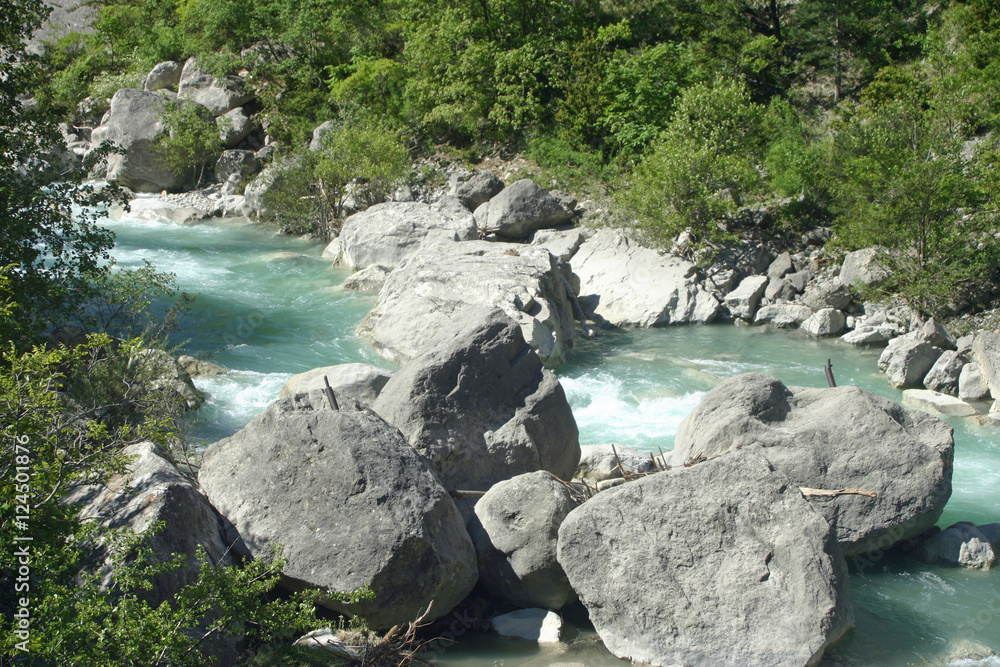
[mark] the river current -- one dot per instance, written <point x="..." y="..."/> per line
<point x="268" y="307"/>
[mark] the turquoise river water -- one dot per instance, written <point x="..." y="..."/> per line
<point x="268" y="307"/>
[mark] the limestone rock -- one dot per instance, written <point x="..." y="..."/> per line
<point x="257" y="193"/>
<point x="153" y="490"/>
<point x="781" y="266"/>
<point x="360" y="382"/>
<point x="523" y="207"/>
<point x="721" y="563"/>
<point x="234" y="127"/>
<point x="779" y="288"/>
<point x="906" y="361"/>
<point x="538" y="625"/>
<point x="243" y="164"/>
<point x="164" y="76"/>
<point x="515" y="528"/>
<point x="743" y="301"/>
<point x="319" y="132"/>
<point x="831" y="295"/>
<point x="421" y="298"/>
<point x="165" y="374"/>
<point x="932" y="332"/>
<point x="480" y="408"/>
<point x="217" y="94"/>
<point x="350" y="502"/>
<point x="625" y="284"/>
<point x="199" y="367"/>
<point x="903" y="456"/>
<point x="784" y="315"/>
<point x="962" y="544"/>
<point x="971" y="385"/>
<point x="945" y="373"/>
<point x="598" y="462"/>
<point x="386" y="234"/>
<point x="825" y="322"/>
<point x="369" y="279"/>
<point x="562" y="244"/>
<point x="860" y="267"/>
<point x="937" y="403"/>
<point x="134" y="124"/>
<point x="865" y="335"/>
<point x="986" y="352"/>
<point x="474" y="188"/>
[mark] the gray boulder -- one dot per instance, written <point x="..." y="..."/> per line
<point x="971" y="384"/>
<point x="825" y="322"/>
<point x="961" y="544"/>
<point x="370" y="279"/>
<point x="780" y="267"/>
<point x="199" y="367"/>
<point x="318" y="133"/>
<point x="937" y="403"/>
<point x="871" y="336"/>
<point x="779" y="288"/>
<point x="784" y="315"/>
<point x="134" y="124"/>
<point x="243" y="164"/>
<point x="945" y="373"/>
<point x="523" y="207"/>
<point x="234" y="127"/>
<point x="217" y="94"/>
<point x="906" y="361"/>
<point x="743" y="301"/>
<point x="257" y="192"/>
<point x="598" y="462"/>
<point x="386" y="234"/>
<point x="624" y="284"/>
<point x="721" y="563"/>
<point x="474" y="188"/>
<point x="360" y="382"/>
<point x="831" y="295"/>
<point x="422" y="297"/>
<point x="149" y="491"/>
<point x="861" y="268"/>
<point x="935" y="334"/>
<point x="799" y="280"/>
<point x="986" y="352"/>
<point x="163" y="373"/>
<point x="562" y="244"/>
<point x="164" y="76"/>
<point x="480" y="408"/>
<point x="515" y="529"/>
<point x="350" y="502"/>
<point x="903" y="456"/>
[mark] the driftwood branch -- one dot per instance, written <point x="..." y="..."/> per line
<point x="807" y="492"/>
<point x="330" y="396"/>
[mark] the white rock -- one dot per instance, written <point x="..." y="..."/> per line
<point x="743" y="301"/>
<point x="825" y="322"/>
<point x="937" y="403"/>
<point x="540" y="625"/>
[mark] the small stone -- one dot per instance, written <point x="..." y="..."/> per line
<point x="961" y="544"/>
<point x="539" y="625"/>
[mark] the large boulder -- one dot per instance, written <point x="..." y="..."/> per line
<point x="828" y="295"/>
<point x="386" y="234"/>
<point x="243" y="164"/>
<point x="480" y="408"/>
<point x="515" y="529"/>
<point x="743" y="301"/>
<point x="861" y="268"/>
<point x="350" y="502"/>
<point x="986" y="352"/>
<point x="834" y="438"/>
<point x="217" y="94"/>
<point x="945" y="373"/>
<point x="234" y="126"/>
<point x="257" y="202"/>
<point x="134" y="123"/>
<point x="523" y="207"/>
<point x="720" y="563"/>
<point x="825" y="322"/>
<point x="962" y="544"/>
<point x="783" y="315"/>
<point x="971" y="384"/>
<point x="906" y="361"/>
<point x="152" y="490"/>
<point x="164" y="76"/>
<point x="937" y="403"/>
<point x="361" y="382"/>
<point x="422" y="297"/>
<point x="624" y="284"/>
<point x="474" y="188"/>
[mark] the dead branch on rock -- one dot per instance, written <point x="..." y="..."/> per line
<point x="807" y="492"/>
<point x="398" y="647"/>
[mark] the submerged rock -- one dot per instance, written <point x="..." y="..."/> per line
<point x="421" y="299"/>
<point x="350" y="502"/>
<point x="834" y="438"/>
<point x="961" y="544"/>
<point x="723" y="562"/>
<point x="624" y="284"/>
<point x="480" y="408"/>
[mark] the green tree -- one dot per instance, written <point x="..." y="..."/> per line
<point x="191" y="141"/>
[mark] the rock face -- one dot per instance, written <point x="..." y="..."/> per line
<point x="361" y="382"/>
<point x="523" y="207"/>
<point x="515" y="528"/>
<point x="986" y="352"/>
<point x="134" y="124"/>
<point x="480" y="408"/>
<point x="627" y="285"/>
<point x="386" y="234"/>
<point x="350" y="501"/>
<point x="474" y="189"/>
<point x="962" y="544"/>
<point x="154" y="490"/>
<point x="743" y="301"/>
<point x="217" y="94"/>
<point x="906" y="361"/>
<point x="903" y="456"/>
<point x="422" y="297"/>
<point x="722" y="563"/>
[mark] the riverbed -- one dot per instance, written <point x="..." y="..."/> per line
<point x="268" y="306"/>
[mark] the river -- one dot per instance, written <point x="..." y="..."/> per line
<point x="268" y="307"/>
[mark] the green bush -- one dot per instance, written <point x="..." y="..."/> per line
<point x="191" y="141"/>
